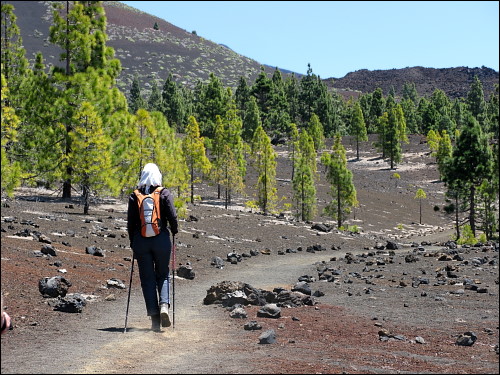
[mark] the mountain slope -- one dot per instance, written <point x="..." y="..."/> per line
<point x="150" y="53"/>
<point x="455" y="82"/>
<point x="153" y="54"/>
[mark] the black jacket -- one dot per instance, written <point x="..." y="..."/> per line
<point x="167" y="213"/>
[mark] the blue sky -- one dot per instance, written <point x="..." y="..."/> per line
<point x="338" y="37"/>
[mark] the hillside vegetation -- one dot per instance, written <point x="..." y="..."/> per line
<point x="153" y="54"/>
<point x="97" y="136"/>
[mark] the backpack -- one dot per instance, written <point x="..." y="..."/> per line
<point x="149" y="211"/>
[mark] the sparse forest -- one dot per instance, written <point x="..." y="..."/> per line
<point x="71" y="128"/>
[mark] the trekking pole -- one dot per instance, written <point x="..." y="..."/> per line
<point x="173" y="282"/>
<point x="129" y="289"/>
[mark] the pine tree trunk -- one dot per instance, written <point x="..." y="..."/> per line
<point x="86" y="199"/>
<point x="472" y="214"/>
<point x="420" y="211"/>
<point x="339" y="214"/>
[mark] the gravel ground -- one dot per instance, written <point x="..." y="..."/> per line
<point x="384" y="311"/>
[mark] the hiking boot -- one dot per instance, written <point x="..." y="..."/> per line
<point x="155" y="323"/>
<point x="165" y="319"/>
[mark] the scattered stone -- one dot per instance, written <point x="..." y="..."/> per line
<point x="71" y="304"/>
<point x="419" y="340"/>
<point x="410" y="258"/>
<point x="94" y="250"/>
<point x="56" y="286"/>
<point x="238" y="297"/>
<point x="268" y="337"/>
<point x="318" y="293"/>
<point x="115" y="283"/>
<point x="186" y="272"/>
<point x="43" y="238"/>
<point x="391" y="245"/>
<point x="238" y="313"/>
<point x="48" y="249"/>
<point x="252" y="326"/>
<point x="271" y="310"/>
<point x="302" y="287"/>
<point x="322" y="227"/>
<point x="217" y="262"/>
<point x="467" y="339"/>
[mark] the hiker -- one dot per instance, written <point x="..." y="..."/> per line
<point x="153" y="253"/>
<point x="6" y="322"/>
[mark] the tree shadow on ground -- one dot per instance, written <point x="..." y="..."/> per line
<point x="120" y="329"/>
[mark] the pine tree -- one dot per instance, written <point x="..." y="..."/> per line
<point x="173" y="103"/>
<point x="293" y="146"/>
<point x="264" y="161"/>
<point x="410" y="110"/>
<point x="487" y="209"/>
<point x="90" y="155"/>
<point x="292" y="95"/>
<point x="234" y="130"/>
<point x="303" y="181"/>
<point x="383" y="125"/>
<point x="261" y="90"/>
<point x="232" y="180"/>
<point x="342" y="191"/>
<point x="81" y="33"/>
<point x="471" y="163"/>
<point x="126" y="158"/>
<point x="136" y="100"/>
<point x="228" y="135"/>
<point x="147" y="138"/>
<point x="194" y="152"/>
<point x="315" y="130"/>
<point x="169" y="156"/>
<point x="377" y="108"/>
<point x="13" y="57"/>
<point x="420" y="195"/>
<point x="492" y="116"/>
<point x="242" y="95"/>
<point x="251" y="121"/>
<point x="475" y="100"/>
<point x="11" y="170"/>
<point x="277" y="120"/>
<point x="358" y="127"/>
<point x="444" y="152"/>
<point x="395" y="133"/>
<point x="433" y="138"/>
<point x="410" y="92"/>
<point x="154" y="100"/>
<point x="214" y="101"/>
<point x="40" y="137"/>
<point x="307" y="150"/>
<point x="217" y="152"/>
<point x="308" y="94"/>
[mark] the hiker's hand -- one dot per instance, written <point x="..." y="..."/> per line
<point x="6" y="322"/>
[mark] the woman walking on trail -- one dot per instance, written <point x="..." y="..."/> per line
<point x="150" y="241"/>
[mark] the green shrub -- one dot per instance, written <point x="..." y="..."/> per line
<point x="353" y="228"/>
<point x="467" y="237"/>
<point x="482" y="238"/>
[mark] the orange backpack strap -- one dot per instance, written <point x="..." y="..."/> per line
<point x="152" y="227"/>
<point x="156" y="197"/>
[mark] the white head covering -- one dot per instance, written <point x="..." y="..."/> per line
<point x="150" y="176"/>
